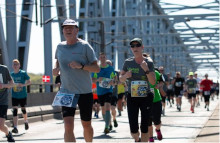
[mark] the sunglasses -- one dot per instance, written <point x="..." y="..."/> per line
<point x="135" y="45"/>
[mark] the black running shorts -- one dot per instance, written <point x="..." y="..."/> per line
<point x="85" y="104"/>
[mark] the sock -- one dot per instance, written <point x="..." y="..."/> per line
<point x="107" y="118"/>
<point x="103" y="115"/>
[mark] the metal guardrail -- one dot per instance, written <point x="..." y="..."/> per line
<point x="40" y="88"/>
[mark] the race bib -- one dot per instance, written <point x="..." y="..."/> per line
<point x="192" y="90"/>
<point x="105" y="83"/>
<point x="16" y="88"/>
<point x="63" y="99"/>
<point x="178" y="84"/>
<point x="217" y="88"/>
<point x="206" y="92"/>
<point x="170" y="86"/>
<point x="139" y="88"/>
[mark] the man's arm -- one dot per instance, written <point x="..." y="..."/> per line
<point x="8" y="85"/>
<point x="91" y="68"/>
<point x="56" y="69"/>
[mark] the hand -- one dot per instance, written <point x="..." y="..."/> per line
<point x="100" y="79"/>
<point x="75" y="65"/>
<point x="128" y="74"/>
<point x="1" y="86"/>
<point x="144" y="66"/>
<point x="56" y="71"/>
<point x="20" y="85"/>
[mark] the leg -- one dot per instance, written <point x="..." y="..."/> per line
<point x="68" y="127"/>
<point x="85" y="105"/>
<point x="88" y="130"/>
<point x="3" y="127"/>
<point x="15" y="116"/>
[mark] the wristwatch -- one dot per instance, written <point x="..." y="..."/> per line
<point x="147" y="72"/>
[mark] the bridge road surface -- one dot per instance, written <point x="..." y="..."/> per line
<point x="177" y="127"/>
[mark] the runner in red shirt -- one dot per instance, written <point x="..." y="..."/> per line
<point x="206" y="88"/>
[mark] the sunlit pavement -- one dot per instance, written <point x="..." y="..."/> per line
<point x="177" y="126"/>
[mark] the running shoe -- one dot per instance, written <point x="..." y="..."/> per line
<point x="110" y="127"/>
<point x="115" y="123"/>
<point x="15" y="130"/>
<point x="139" y="140"/>
<point x="95" y="114"/>
<point x="192" y="110"/>
<point x="163" y="112"/>
<point x="159" y="135"/>
<point x="151" y="139"/>
<point x="106" y="131"/>
<point x="10" y="137"/>
<point x="26" y="126"/>
<point x="207" y="108"/>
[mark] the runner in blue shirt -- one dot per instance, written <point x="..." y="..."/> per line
<point x="19" y="93"/>
<point x="104" y="82"/>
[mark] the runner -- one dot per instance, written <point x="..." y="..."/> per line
<point x="206" y="87"/>
<point x="164" y="96"/>
<point x="191" y="85"/>
<point x="19" y="94"/>
<point x="217" y="89"/>
<point x="114" y="100"/>
<point x="156" y="108"/>
<point x="121" y="97"/>
<point x="6" y="82"/>
<point x="138" y="70"/>
<point x="75" y="60"/>
<point x="170" y="90"/>
<point x="178" y="83"/>
<point x="104" y="82"/>
<point x="198" y="92"/>
<point x="212" y="91"/>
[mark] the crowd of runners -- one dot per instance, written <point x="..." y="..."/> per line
<point x="94" y="86"/>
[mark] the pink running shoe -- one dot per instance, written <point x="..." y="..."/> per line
<point x="159" y="135"/>
<point x="151" y="139"/>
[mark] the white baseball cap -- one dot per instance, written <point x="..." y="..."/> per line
<point x="69" y="22"/>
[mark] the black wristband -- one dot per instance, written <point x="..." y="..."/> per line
<point x="82" y="66"/>
<point x="147" y="72"/>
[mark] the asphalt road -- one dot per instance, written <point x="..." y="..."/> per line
<point x="176" y="127"/>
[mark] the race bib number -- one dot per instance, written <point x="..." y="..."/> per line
<point x="105" y="83"/>
<point x="16" y="88"/>
<point x="139" y="88"/>
<point x="192" y="90"/>
<point x="178" y="84"/>
<point x="63" y="99"/>
<point x="206" y="92"/>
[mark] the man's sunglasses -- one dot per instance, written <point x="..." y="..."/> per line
<point x="135" y="45"/>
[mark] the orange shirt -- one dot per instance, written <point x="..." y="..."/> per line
<point x="94" y="91"/>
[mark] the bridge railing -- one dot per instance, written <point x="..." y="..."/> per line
<point x="40" y="88"/>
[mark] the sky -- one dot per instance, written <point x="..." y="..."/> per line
<point x="36" y="51"/>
